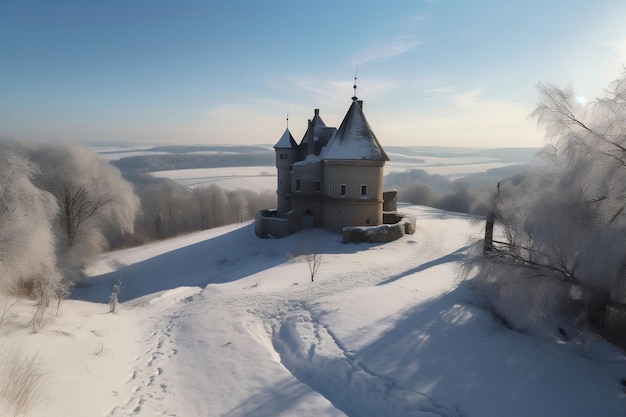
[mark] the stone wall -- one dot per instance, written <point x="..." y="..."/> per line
<point x="396" y="225"/>
<point x="268" y="225"/>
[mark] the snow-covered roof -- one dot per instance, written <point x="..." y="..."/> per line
<point x="286" y="141"/>
<point x="354" y="140"/>
<point x="310" y="159"/>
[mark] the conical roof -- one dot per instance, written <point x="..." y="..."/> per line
<point x="286" y="141"/>
<point x="316" y="123"/>
<point x="354" y="140"/>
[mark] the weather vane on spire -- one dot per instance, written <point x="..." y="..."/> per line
<point x="355" y="78"/>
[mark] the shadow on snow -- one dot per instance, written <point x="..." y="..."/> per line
<point x="224" y="258"/>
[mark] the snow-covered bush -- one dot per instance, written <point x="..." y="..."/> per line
<point x="56" y="202"/>
<point x="28" y="263"/>
<point x="564" y="225"/>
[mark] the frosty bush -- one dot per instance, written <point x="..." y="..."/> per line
<point x="114" y="302"/>
<point x="55" y="204"/>
<point x="28" y="262"/>
<point x="564" y="225"/>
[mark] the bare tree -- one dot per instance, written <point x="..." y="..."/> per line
<point x="92" y="198"/>
<point x="311" y="252"/>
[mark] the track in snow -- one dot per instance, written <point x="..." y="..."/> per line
<point x="311" y="352"/>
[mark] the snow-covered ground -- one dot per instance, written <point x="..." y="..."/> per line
<point x="221" y="323"/>
<point x="235" y="178"/>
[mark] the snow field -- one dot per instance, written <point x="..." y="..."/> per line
<point x="221" y="323"/>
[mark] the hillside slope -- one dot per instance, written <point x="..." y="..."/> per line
<point x="221" y="323"/>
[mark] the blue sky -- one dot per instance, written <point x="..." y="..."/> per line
<point x="439" y="72"/>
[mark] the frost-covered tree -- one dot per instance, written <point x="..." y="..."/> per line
<point x="559" y="245"/>
<point x="91" y="195"/>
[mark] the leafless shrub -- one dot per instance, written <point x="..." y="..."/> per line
<point x="113" y="299"/>
<point x="309" y="251"/>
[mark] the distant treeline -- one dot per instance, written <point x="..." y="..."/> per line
<point x="170" y="209"/>
<point x="172" y="161"/>
<point x="469" y="194"/>
<point x="506" y="155"/>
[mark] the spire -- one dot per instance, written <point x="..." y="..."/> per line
<point x="286" y="141"/>
<point x="354" y="98"/>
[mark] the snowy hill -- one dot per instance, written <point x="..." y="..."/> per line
<point x="221" y="323"/>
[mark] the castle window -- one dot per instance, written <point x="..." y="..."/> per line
<point x="330" y="189"/>
<point x="343" y="190"/>
<point x="298" y="185"/>
<point x="318" y="186"/>
<point x="363" y="190"/>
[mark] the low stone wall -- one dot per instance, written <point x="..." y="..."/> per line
<point x="396" y="225"/>
<point x="267" y="225"/>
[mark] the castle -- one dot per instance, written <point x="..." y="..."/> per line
<point x="333" y="179"/>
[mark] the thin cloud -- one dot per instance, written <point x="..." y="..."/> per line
<point x="446" y="89"/>
<point x="388" y="49"/>
<point x="466" y="118"/>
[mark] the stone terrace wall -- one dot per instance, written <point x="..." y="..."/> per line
<point x="396" y="225"/>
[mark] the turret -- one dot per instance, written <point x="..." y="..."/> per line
<point x="286" y="154"/>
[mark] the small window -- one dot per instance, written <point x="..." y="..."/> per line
<point x="363" y="190"/>
<point x="343" y="190"/>
<point x="298" y="185"/>
<point x="281" y="156"/>
<point x="318" y="186"/>
<point x="330" y="189"/>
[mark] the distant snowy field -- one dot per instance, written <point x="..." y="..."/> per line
<point x="453" y="163"/>
<point x="258" y="178"/>
<point x="221" y="323"/>
<point x="242" y="178"/>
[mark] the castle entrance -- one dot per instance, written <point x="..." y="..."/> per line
<point x="308" y="220"/>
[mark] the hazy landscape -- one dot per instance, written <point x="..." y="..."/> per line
<point x="221" y="322"/>
<point x="166" y="251"/>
